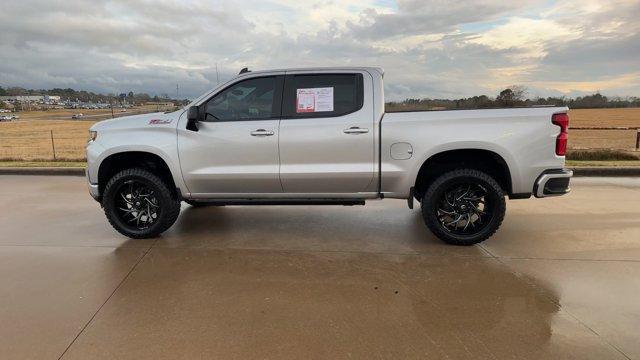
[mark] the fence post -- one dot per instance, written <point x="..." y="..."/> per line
<point x="53" y="146"/>
<point x="638" y="139"/>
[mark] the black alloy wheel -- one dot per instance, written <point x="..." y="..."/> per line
<point x="463" y="207"/>
<point x="138" y="204"/>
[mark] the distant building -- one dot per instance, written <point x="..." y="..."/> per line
<point x="160" y="103"/>
<point x="23" y="98"/>
<point x="8" y="105"/>
<point x="51" y="98"/>
<point x="32" y="98"/>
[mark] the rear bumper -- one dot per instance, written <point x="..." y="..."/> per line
<point x="552" y="183"/>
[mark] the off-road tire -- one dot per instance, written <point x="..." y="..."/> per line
<point x="435" y="192"/>
<point x="168" y="203"/>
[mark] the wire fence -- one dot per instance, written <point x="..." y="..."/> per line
<point x="617" y="138"/>
<point x="43" y="145"/>
<point x="70" y="144"/>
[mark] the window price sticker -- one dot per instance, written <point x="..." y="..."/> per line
<point x="314" y="100"/>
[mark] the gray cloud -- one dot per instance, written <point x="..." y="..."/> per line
<point x="150" y="46"/>
<point x="591" y="59"/>
<point x="431" y="16"/>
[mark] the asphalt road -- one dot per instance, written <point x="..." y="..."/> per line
<point x="561" y="279"/>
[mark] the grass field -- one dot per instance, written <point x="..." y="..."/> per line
<point x="66" y="164"/>
<point x="88" y="114"/>
<point x="30" y="137"/>
<point x="605" y="117"/>
<point x="615" y="139"/>
<point x="618" y="163"/>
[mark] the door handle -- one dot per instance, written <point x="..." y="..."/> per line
<point x="262" y="132"/>
<point x="355" y="130"/>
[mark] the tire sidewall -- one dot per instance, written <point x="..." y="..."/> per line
<point x="109" y="204"/>
<point x="433" y="196"/>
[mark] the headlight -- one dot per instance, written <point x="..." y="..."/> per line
<point x="93" y="135"/>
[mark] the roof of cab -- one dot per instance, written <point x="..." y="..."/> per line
<point x="369" y="69"/>
<point x="311" y="69"/>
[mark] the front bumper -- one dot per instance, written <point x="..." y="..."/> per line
<point x="93" y="188"/>
<point x="94" y="150"/>
<point x="552" y="183"/>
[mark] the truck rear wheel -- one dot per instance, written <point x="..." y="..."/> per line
<point x="138" y="204"/>
<point x="463" y="207"/>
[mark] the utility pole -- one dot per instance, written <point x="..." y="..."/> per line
<point x="177" y="97"/>
<point x="217" y="75"/>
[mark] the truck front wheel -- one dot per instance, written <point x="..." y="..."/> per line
<point x="463" y="207"/>
<point x="138" y="204"/>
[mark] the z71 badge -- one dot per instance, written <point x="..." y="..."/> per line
<point x="159" y="121"/>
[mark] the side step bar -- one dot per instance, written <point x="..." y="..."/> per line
<point x="345" y="202"/>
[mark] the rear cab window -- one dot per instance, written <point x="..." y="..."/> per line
<point x="321" y="95"/>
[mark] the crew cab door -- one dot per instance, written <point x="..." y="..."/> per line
<point x="327" y="133"/>
<point x="235" y="150"/>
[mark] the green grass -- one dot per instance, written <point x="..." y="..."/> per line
<point x="601" y="155"/>
<point x="43" y="164"/>
<point x="611" y="163"/>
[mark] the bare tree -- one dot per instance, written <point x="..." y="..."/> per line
<point x="512" y="95"/>
<point x="519" y="92"/>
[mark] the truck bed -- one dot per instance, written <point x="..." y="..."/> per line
<point x="523" y="137"/>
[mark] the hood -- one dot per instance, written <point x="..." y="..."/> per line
<point x="138" y="121"/>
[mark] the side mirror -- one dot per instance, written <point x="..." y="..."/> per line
<point x="192" y="118"/>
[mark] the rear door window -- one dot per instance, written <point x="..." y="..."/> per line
<point x="321" y="95"/>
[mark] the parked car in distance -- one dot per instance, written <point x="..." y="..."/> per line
<point x="322" y="137"/>
<point x="77" y="116"/>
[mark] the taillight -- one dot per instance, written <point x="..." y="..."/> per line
<point x="561" y="120"/>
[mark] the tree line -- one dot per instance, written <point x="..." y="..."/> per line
<point x="514" y="96"/>
<point x="510" y="97"/>
<point x="69" y="94"/>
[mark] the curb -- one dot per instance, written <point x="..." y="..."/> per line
<point x="606" y="171"/>
<point x="64" y="171"/>
<point x="78" y="171"/>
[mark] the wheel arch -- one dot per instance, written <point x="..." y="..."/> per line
<point x="484" y="160"/>
<point x="118" y="161"/>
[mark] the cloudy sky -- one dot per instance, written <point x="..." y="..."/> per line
<point x="428" y="48"/>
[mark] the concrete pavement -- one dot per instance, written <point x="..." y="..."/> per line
<point x="560" y="279"/>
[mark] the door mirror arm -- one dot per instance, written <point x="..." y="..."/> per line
<point x="192" y="118"/>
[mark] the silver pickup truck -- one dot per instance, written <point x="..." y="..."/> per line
<point x="321" y="137"/>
